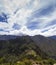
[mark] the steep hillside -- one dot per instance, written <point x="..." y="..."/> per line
<point x="47" y="45"/>
<point x="27" y="49"/>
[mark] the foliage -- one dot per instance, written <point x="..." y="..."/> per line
<point x="23" y="51"/>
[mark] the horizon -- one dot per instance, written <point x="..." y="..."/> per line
<point x="28" y="17"/>
<point x="27" y="35"/>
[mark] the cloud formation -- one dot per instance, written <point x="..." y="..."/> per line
<point x="30" y="17"/>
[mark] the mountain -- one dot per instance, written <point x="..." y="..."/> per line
<point x="27" y="49"/>
<point x="7" y="37"/>
<point x="53" y="37"/>
<point x="47" y="45"/>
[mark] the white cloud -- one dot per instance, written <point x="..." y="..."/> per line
<point x="19" y="11"/>
<point x="45" y="20"/>
<point x="50" y="32"/>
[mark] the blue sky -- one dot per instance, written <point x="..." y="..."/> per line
<point x="30" y="17"/>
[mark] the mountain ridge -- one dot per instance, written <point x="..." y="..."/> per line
<point x="8" y="37"/>
<point x="46" y="44"/>
<point x="28" y="49"/>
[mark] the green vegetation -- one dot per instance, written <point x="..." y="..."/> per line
<point x="23" y="52"/>
<point x="27" y="61"/>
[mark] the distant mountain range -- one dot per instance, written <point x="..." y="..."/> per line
<point x="8" y="37"/>
<point x="53" y="37"/>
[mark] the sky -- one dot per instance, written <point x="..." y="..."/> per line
<point x="29" y="17"/>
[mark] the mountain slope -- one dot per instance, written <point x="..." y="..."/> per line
<point x="32" y="48"/>
<point x="47" y="45"/>
<point x="19" y="45"/>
